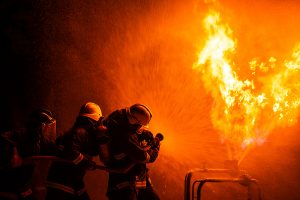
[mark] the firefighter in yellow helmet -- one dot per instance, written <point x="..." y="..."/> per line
<point x="123" y="127"/>
<point x="79" y="146"/>
<point x="91" y="110"/>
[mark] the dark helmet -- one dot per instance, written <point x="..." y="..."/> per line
<point x="139" y="114"/>
<point x="40" y="116"/>
<point x="43" y="121"/>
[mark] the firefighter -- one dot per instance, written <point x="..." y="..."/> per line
<point x="123" y="127"/>
<point x="17" y="148"/>
<point x="77" y="147"/>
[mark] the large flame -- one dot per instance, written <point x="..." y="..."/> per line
<point x="245" y="111"/>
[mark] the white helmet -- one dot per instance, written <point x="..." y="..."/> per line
<point x="139" y="114"/>
<point x="91" y="110"/>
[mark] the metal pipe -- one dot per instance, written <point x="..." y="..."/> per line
<point x="237" y="180"/>
<point x="244" y="180"/>
<point x="188" y="178"/>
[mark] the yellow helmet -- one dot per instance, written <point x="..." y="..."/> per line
<point x="139" y="114"/>
<point x="91" y="110"/>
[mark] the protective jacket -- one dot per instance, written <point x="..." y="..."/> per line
<point x="123" y="138"/>
<point x="76" y="147"/>
<point x="126" y="153"/>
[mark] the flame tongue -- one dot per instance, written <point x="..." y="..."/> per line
<point x="243" y="113"/>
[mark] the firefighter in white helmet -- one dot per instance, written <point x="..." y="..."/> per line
<point x="139" y="114"/>
<point x="123" y="127"/>
<point x="79" y="145"/>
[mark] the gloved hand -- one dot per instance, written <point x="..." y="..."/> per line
<point x="156" y="144"/>
<point x="157" y="139"/>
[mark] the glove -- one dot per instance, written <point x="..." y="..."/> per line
<point x="157" y="139"/>
<point x="156" y="144"/>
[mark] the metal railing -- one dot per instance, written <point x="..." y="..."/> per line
<point x="254" y="192"/>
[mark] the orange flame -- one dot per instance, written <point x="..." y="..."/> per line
<point x="245" y="111"/>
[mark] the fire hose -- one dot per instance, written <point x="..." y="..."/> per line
<point x="29" y="160"/>
<point x="32" y="159"/>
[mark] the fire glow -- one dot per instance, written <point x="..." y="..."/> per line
<point x="246" y="111"/>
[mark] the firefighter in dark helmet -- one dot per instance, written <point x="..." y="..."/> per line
<point x="77" y="146"/>
<point x="17" y="147"/>
<point x="123" y="127"/>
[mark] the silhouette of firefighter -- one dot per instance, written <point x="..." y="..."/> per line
<point x="78" y="146"/>
<point x="124" y="127"/>
<point x="17" y="148"/>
